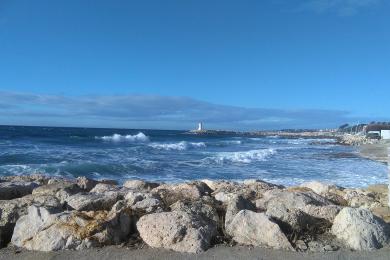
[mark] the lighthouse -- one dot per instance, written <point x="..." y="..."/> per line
<point x="200" y="126"/>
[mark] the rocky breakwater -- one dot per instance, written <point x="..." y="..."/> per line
<point x="50" y="214"/>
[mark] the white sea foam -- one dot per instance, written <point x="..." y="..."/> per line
<point x="140" y="137"/>
<point x="244" y="157"/>
<point x="180" y="146"/>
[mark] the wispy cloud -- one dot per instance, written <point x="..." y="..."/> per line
<point x="148" y="111"/>
<point x="340" y="7"/>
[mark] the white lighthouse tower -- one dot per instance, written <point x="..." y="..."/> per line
<point x="200" y="126"/>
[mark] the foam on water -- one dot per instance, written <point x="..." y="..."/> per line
<point x="140" y="137"/>
<point x="180" y="146"/>
<point x="243" y="157"/>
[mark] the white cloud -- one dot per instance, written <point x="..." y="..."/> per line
<point x="151" y="111"/>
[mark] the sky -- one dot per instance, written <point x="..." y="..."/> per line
<point x="242" y="65"/>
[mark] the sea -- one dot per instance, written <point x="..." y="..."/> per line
<point x="176" y="156"/>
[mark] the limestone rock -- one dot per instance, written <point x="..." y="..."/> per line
<point x="43" y="230"/>
<point x="319" y="187"/>
<point x="185" y="191"/>
<point x="16" y="189"/>
<point x="62" y="190"/>
<point x="12" y="210"/>
<point x="86" y="184"/>
<point x="140" y="185"/>
<point x="360" y="229"/>
<point x="235" y="205"/>
<point x="177" y="230"/>
<point x="93" y="201"/>
<point x="257" y="229"/>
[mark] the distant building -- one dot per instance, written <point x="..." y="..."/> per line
<point x="381" y="130"/>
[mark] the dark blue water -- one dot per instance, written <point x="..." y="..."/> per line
<point x="176" y="155"/>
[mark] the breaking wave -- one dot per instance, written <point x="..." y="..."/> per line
<point x="140" y="137"/>
<point x="244" y="157"/>
<point x="181" y="146"/>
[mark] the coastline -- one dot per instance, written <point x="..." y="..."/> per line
<point x="84" y="218"/>
<point x="377" y="151"/>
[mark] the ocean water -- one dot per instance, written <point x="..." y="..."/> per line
<point x="173" y="156"/>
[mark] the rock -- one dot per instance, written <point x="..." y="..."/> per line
<point x="257" y="229"/>
<point x="360" y="229"/>
<point x="235" y="205"/>
<point x="319" y="187"/>
<point x="186" y="191"/>
<point x="16" y="189"/>
<point x="140" y="185"/>
<point x="12" y="210"/>
<point x="201" y="208"/>
<point x="177" y="230"/>
<point x="382" y="212"/>
<point x="359" y="198"/>
<point x="62" y="190"/>
<point x="103" y="188"/>
<point x="308" y="202"/>
<point x="93" y="201"/>
<point x="40" y="179"/>
<point x="290" y="220"/>
<point x="43" y="230"/>
<point x="85" y="183"/>
<point x="224" y="197"/>
<point x="148" y="205"/>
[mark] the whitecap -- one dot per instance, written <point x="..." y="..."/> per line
<point x="243" y="157"/>
<point x="140" y="137"/>
<point x="180" y="146"/>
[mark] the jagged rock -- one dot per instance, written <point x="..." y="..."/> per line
<point x="235" y="205"/>
<point x="359" y="198"/>
<point x="103" y="188"/>
<point x="202" y="208"/>
<point x="382" y="212"/>
<point x="12" y="210"/>
<point x="140" y="185"/>
<point x="16" y="189"/>
<point x="223" y="196"/>
<point x="44" y="230"/>
<point x="308" y="202"/>
<point x="177" y="230"/>
<point x="93" y="201"/>
<point x="319" y="187"/>
<point x="360" y="229"/>
<point x="290" y="220"/>
<point x="85" y="183"/>
<point x="251" y="228"/>
<point x="185" y="191"/>
<point x="37" y="178"/>
<point x="62" y="190"/>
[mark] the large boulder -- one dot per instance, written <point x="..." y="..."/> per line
<point x="85" y="183"/>
<point x="176" y="230"/>
<point x="61" y="189"/>
<point x="360" y="229"/>
<point x="251" y="228"/>
<point x="235" y="205"/>
<point x="45" y="230"/>
<point x="185" y="191"/>
<point x="37" y="178"/>
<point x="140" y="185"/>
<point x="319" y="187"/>
<point x="12" y="210"/>
<point x="93" y="201"/>
<point x="16" y="189"/>
<point x="306" y="201"/>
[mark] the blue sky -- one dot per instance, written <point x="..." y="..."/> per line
<point x="168" y="64"/>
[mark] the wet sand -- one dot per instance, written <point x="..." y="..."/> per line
<point x="219" y="252"/>
<point x="377" y="152"/>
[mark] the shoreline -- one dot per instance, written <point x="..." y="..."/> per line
<point x="82" y="218"/>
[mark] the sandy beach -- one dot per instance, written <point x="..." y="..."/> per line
<point x="377" y="152"/>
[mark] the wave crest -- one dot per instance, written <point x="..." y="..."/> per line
<point x="244" y="157"/>
<point x="181" y="146"/>
<point x="140" y="137"/>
